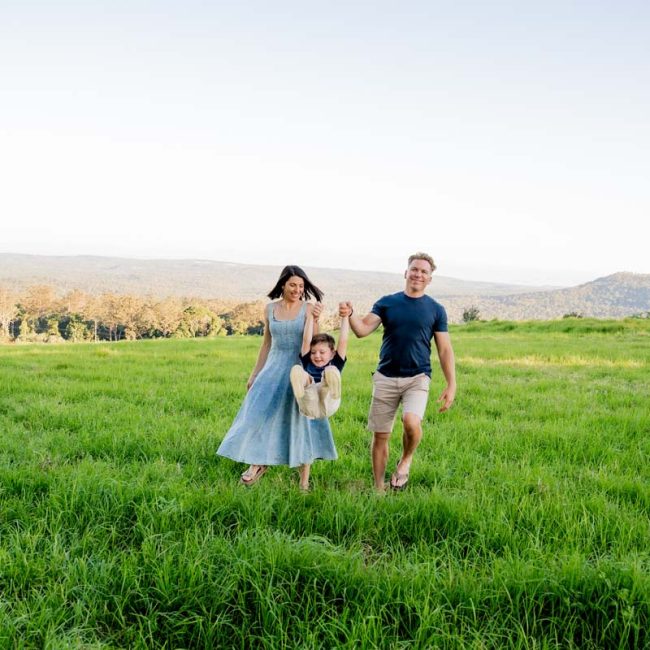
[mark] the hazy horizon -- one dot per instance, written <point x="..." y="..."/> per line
<point x="478" y="277"/>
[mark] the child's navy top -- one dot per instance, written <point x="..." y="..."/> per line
<point x="316" y="372"/>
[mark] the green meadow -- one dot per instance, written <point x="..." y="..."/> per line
<point x="525" y="523"/>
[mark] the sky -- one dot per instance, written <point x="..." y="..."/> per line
<point x="510" y="140"/>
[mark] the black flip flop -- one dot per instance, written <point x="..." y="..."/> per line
<point x="396" y="476"/>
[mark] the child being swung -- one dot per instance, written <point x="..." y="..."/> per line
<point x="316" y="383"/>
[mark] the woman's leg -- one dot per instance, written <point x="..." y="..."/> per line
<point x="304" y="476"/>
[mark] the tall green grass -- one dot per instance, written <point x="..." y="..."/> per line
<point x="525" y="523"/>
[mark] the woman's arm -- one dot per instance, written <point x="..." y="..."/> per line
<point x="262" y="354"/>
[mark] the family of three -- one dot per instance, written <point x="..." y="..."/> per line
<point x="296" y="382"/>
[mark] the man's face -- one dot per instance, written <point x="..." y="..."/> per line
<point x="418" y="275"/>
<point x="321" y="354"/>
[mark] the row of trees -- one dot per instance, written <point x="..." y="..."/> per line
<point x="39" y="314"/>
<point x="471" y="314"/>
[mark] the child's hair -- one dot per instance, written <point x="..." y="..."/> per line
<point x="323" y="338"/>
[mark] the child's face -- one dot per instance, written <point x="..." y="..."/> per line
<point x="321" y="354"/>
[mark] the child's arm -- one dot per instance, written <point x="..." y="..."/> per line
<point x="307" y="333"/>
<point x="342" y="347"/>
<point x="316" y="311"/>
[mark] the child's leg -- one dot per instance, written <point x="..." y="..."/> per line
<point x="332" y="379"/>
<point x="299" y="379"/>
<point x="308" y="403"/>
<point x="305" y="392"/>
<point x="330" y="392"/>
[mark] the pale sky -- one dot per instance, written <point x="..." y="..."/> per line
<point x="510" y="140"/>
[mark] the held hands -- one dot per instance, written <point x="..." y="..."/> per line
<point x="317" y="310"/>
<point x="345" y="309"/>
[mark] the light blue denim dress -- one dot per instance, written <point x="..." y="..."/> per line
<point x="269" y="429"/>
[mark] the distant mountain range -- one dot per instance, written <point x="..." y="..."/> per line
<point x="614" y="296"/>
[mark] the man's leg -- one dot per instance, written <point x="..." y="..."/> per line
<point x="414" y="405"/>
<point x="384" y="405"/>
<point x="379" y="454"/>
<point x="410" y="441"/>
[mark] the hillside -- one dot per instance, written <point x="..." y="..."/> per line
<point x="210" y="279"/>
<point x="614" y="296"/>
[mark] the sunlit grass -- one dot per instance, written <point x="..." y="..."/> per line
<point x="540" y="361"/>
<point x="525" y="524"/>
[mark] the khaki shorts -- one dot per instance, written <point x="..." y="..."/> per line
<point x="389" y="392"/>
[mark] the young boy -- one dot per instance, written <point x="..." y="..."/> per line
<point x="317" y="382"/>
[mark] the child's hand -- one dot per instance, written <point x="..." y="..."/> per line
<point x="317" y="310"/>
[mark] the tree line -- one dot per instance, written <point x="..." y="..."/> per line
<point x="38" y="314"/>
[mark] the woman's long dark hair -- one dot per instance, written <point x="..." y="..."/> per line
<point x="311" y="290"/>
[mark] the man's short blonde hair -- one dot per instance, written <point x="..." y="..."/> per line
<point x="425" y="257"/>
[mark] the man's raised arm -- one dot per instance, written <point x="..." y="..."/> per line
<point x="360" y="326"/>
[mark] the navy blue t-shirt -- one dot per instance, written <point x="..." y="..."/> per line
<point x="316" y="372"/>
<point x="409" y="324"/>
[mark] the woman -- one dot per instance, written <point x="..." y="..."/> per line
<point x="269" y="429"/>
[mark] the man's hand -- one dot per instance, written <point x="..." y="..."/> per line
<point x="447" y="398"/>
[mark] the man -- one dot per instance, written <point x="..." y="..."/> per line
<point x="410" y="319"/>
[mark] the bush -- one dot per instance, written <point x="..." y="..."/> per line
<point x="471" y="314"/>
<point x="573" y="314"/>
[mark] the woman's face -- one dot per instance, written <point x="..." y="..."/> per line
<point x="293" y="288"/>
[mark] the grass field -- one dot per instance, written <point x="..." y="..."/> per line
<point x="525" y="524"/>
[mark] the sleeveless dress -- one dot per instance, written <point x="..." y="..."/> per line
<point x="269" y="429"/>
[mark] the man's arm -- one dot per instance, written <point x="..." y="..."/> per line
<point x="360" y="326"/>
<point x="448" y="365"/>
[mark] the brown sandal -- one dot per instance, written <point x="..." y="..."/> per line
<point x="251" y="475"/>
